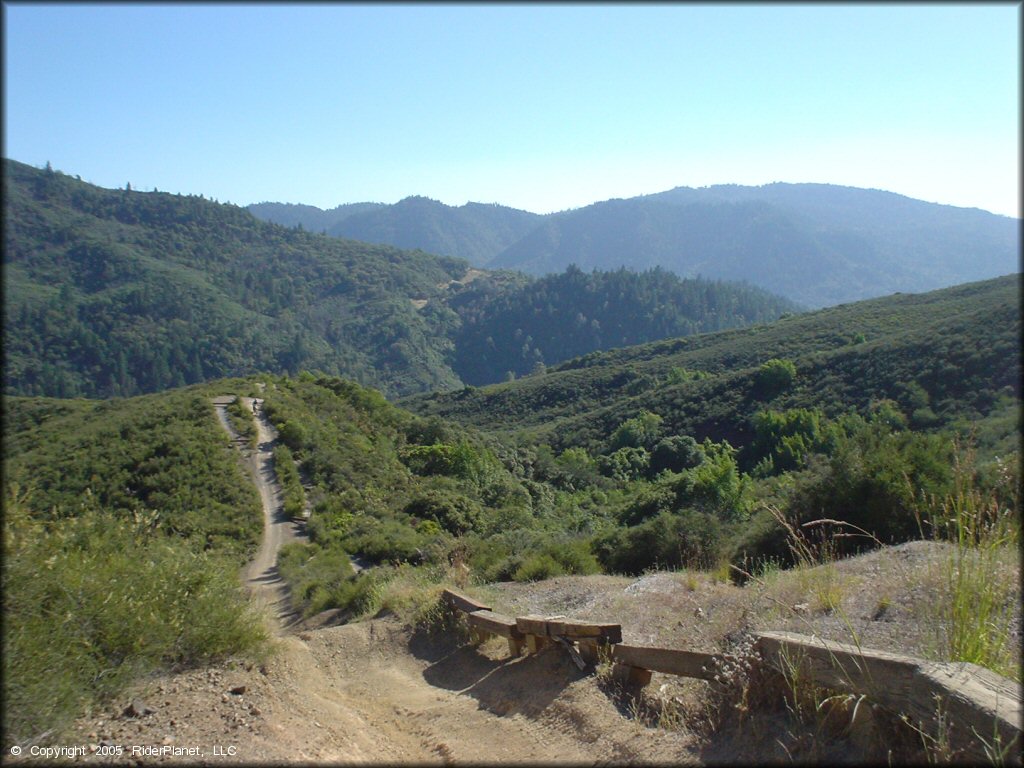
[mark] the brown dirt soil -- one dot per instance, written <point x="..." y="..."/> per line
<point x="374" y="692"/>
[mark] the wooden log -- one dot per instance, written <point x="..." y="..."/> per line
<point x="977" y="705"/>
<point x="575" y="630"/>
<point x="532" y="625"/>
<point x="515" y="647"/>
<point x="495" y="623"/>
<point x="535" y="643"/>
<point x="462" y="602"/>
<point x="703" y="666"/>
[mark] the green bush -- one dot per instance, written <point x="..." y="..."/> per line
<point x="689" y="539"/>
<point x="452" y="511"/>
<point x="774" y="377"/>
<point x="94" y="603"/>
<point x="537" y="568"/>
<point x="294" y="500"/>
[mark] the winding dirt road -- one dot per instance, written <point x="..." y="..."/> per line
<point x="261" y="575"/>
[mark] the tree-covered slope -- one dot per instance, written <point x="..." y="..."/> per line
<point x="116" y="292"/>
<point x="942" y="356"/>
<point x="817" y="244"/>
<point x="512" y="331"/>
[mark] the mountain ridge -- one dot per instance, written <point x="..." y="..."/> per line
<point x="816" y="244"/>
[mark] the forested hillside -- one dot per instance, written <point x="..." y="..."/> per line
<point x="119" y="292"/>
<point x="943" y="356"/>
<point x="520" y="330"/>
<point x="817" y="244"/>
<point x="116" y="292"/>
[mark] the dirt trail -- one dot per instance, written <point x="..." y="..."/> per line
<point x="373" y="692"/>
<point x="261" y="576"/>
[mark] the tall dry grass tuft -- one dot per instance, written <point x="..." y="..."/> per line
<point x="982" y="530"/>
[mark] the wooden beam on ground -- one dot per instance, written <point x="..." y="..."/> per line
<point x="578" y="630"/>
<point x="703" y="666"/>
<point x="532" y="625"/>
<point x="463" y="602"/>
<point x="496" y="624"/>
<point x="977" y="705"/>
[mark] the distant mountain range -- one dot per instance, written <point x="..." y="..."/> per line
<point x="817" y="244"/>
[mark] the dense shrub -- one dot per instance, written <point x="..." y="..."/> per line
<point x="774" y="377"/>
<point x="452" y="511"/>
<point x="92" y="604"/>
<point x="689" y="539"/>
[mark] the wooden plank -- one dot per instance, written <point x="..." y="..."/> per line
<point x="976" y="703"/>
<point x="463" y="602"/>
<point x="575" y="630"/>
<point x="495" y="623"/>
<point x="532" y="625"/>
<point x="535" y="643"/>
<point x="702" y="666"/>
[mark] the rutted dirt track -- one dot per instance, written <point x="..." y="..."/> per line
<point x="373" y="692"/>
<point x="261" y="576"/>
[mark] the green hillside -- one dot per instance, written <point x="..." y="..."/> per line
<point x="474" y="231"/>
<point x="517" y="331"/>
<point x="125" y="525"/>
<point x="118" y="292"/>
<point x="942" y="356"/>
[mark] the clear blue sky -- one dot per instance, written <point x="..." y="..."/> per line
<point x="541" y="107"/>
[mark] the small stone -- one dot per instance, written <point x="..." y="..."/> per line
<point x="168" y="740"/>
<point x="238" y="690"/>
<point x="255" y="711"/>
<point x="138" y="708"/>
<point x="225" y="698"/>
<point x="802" y="608"/>
<point x="93" y="747"/>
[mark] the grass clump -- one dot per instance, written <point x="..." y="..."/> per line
<point x="982" y="528"/>
<point x="96" y="601"/>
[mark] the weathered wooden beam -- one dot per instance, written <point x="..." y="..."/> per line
<point x="532" y="625"/>
<point x="495" y="623"/>
<point x="703" y="666"/>
<point x="977" y="705"/>
<point x="575" y="630"/>
<point x="463" y="602"/>
<point x="535" y="643"/>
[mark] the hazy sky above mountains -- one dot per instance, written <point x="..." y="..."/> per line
<point x="539" y="107"/>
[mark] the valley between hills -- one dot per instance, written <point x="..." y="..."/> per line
<point x="696" y="459"/>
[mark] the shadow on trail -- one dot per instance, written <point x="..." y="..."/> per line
<point x="523" y="686"/>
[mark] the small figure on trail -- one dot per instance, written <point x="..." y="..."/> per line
<point x="254" y="406"/>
